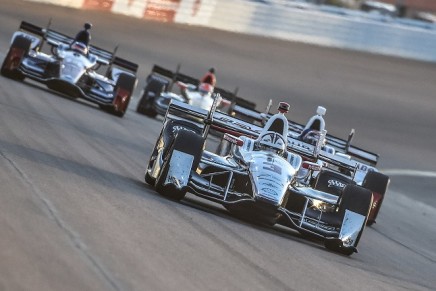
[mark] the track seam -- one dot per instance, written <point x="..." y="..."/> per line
<point x="71" y="235"/>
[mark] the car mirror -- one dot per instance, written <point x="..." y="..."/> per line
<point x="233" y="139"/>
<point x="311" y="166"/>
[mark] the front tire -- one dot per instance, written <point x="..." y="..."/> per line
<point x="186" y="142"/>
<point x="145" y="104"/>
<point x="356" y="199"/>
<point x="123" y="90"/>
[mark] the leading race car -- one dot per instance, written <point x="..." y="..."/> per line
<point x="303" y="138"/>
<point x="263" y="178"/>
<point x="71" y="67"/>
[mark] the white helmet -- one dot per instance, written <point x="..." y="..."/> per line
<point x="205" y="89"/>
<point x="79" y="47"/>
<point x="272" y="141"/>
<point x="312" y="137"/>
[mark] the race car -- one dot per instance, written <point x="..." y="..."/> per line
<point x="263" y="178"/>
<point x="337" y="172"/>
<point x="71" y="67"/>
<point x="159" y="91"/>
<point x="364" y="174"/>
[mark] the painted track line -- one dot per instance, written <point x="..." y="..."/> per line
<point x="411" y="173"/>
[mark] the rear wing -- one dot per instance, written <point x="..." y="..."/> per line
<point x="55" y="38"/>
<point x="175" y="76"/>
<point x="228" y="124"/>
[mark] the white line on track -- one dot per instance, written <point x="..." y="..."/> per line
<point x="406" y="172"/>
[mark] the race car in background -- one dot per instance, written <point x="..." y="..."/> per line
<point x="159" y="91"/>
<point x="263" y="178"/>
<point x="71" y="67"/>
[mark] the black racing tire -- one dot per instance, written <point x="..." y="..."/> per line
<point x="358" y="200"/>
<point x="378" y="183"/>
<point x="124" y="82"/>
<point x="145" y="104"/>
<point x="147" y="177"/>
<point x="22" y="44"/>
<point x="189" y="143"/>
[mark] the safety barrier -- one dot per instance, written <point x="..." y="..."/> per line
<point x="290" y="20"/>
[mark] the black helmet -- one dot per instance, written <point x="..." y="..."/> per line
<point x="87" y="25"/>
<point x="212" y="70"/>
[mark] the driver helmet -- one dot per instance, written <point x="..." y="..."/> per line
<point x="272" y="142"/>
<point x="205" y="89"/>
<point x="79" y="47"/>
<point x="87" y="26"/>
<point x="312" y="137"/>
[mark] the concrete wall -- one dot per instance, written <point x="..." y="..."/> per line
<point x="321" y="25"/>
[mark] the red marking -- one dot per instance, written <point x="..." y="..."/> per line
<point x="14" y="58"/>
<point x="196" y="7"/>
<point x="105" y="5"/>
<point x="232" y="132"/>
<point x="233" y="139"/>
<point x="161" y="10"/>
<point x="377" y="200"/>
<point x="121" y="98"/>
<point x="311" y="166"/>
<point x="283" y="107"/>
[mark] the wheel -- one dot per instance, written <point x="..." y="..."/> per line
<point x="123" y="91"/>
<point x="358" y="200"/>
<point x="378" y="183"/>
<point x="19" y="48"/>
<point x="188" y="143"/>
<point x="148" y="178"/>
<point x="145" y="105"/>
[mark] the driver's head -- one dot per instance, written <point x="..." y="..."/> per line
<point x="87" y="26"/>
<point x="79" y="47"/>
<point x="311" y="137"/>
<point x="205" y="89"/>
<point x="272" y="142"/>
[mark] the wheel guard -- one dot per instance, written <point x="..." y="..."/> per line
<point x="180" y="169"/>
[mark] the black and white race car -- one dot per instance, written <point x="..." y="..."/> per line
<point x="71" y="67"/>
<point x="265" y="176"/>
<point x="342" y="162"/>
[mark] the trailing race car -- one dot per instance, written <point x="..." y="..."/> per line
<point x="158" y="93"/>
<point x="263" y="178"/>
<point x="71" y="67"/>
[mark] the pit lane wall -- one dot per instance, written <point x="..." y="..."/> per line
<point x="320" y="25"/>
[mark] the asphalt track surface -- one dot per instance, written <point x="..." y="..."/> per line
<point x="76" y="215"/>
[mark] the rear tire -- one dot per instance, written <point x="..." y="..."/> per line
<point x="378" y="183"/>
<point x="125" y="85"/>
<point x="18" y="50"/>
<point x="145" y="104"/>
<point x="186" y="142"/>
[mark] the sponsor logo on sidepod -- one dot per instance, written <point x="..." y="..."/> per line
<point x="336" y="184"/>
